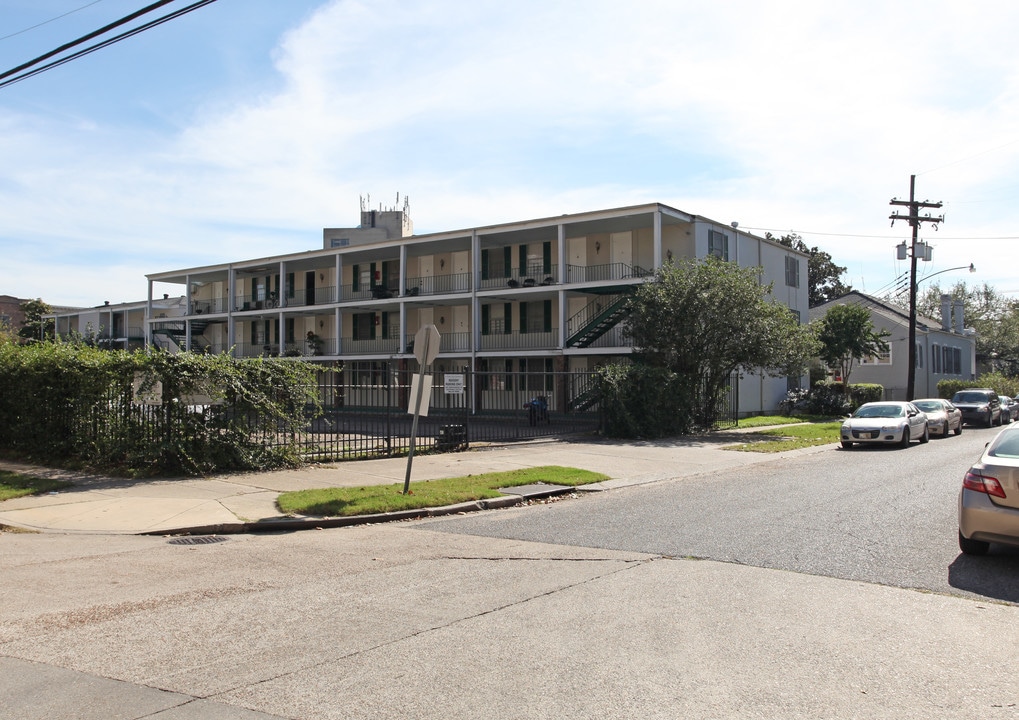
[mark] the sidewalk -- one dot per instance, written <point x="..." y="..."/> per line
<point x="247" y="502"/>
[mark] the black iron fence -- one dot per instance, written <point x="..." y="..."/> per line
<point x="366" y="409"/>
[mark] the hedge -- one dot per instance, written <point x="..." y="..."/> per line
<point x="71" y="404"/>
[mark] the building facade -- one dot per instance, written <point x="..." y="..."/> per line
<point x="945" y="349"/>
<point x="530" y="296"/>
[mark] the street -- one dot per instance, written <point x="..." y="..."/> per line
<point x="786" y="589"/>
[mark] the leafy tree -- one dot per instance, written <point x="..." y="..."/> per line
<point x="846" y="334"/>
<point x="34" y="327"/>
<point x="994" y="317"/>
<point x="824" y="277"/>
<point x="704" y="320"/>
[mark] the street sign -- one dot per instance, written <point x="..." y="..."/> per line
<point x="426" y="344"/>
<point x="454" y="384"/>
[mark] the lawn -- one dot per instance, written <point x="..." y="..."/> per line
<point x="13" y="485"/>
<point x="792" y="437"/>
<point x="371" y="499"/>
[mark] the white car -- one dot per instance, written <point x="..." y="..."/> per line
<point x="887" y="423"/>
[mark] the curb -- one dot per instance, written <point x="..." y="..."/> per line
<point x="310" y="523"/>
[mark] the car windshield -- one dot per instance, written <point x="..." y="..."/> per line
<point x="969" y="397"/>
<point x="1005" y="446"/>
<point x="929" y="405"/>
<point x="879" y="411"/>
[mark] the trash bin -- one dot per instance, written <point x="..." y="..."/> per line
<point x="451" y="437"/>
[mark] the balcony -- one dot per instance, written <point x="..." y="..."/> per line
<point x="439" y="284"/>
<point x="533" y="276"/>
<point x="375" y="346"/>
<point x="323" y="295"/>
<point x="208" y="307"/>
<point x="448" y="342"/>
<point x="611" y="271"/>
<point x="522" y="341"/>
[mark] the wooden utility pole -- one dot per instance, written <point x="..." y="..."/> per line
<point x="914" y="220"/>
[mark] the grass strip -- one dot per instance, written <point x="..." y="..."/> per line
<point x="792" y="437"/>
<point x="13" y="485"/>
<point x="371" y="499"/>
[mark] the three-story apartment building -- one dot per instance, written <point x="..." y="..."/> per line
<point x="530" y="296"/>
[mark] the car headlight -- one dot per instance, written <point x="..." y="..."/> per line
<point x="890" y="429"/>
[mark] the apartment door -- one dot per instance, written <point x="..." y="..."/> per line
<point x="309" y="288"/>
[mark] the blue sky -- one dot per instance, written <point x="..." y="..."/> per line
<point x="243" y="128"/>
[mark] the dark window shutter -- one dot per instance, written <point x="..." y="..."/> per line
<point x="484" y="264"/>
<point x="507" y="314"/>
<point x="356" y="285"/>
<point x="486" y="319"/>
<point x="546" y="257"/>
<point x="523" y="318"/>
<point x="353" y="326"/>
<point x="522" y="255"/>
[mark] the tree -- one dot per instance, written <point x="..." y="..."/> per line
<point x="34" y="327"/>
<point x="704" y="320"/>
<point x="824" y="277"/>
<point x="994" y="317"/>
<point x="846" y="334"/>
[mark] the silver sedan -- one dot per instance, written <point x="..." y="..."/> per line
<point x="887" y="423"/>
<point x="942" y="416"/>
<point x="989" y="498"/>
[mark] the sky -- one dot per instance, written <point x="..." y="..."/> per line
<point x="241" y="129"/>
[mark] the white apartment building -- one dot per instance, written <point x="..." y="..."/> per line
<point x="536" y="295"/>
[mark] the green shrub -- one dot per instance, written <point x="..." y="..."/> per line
<point x="1001" y="384"/>
<point x="643" y="401"/>
<point x="70" y="403"/>
<point x="860" y="393"/>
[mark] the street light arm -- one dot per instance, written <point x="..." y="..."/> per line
<point x="971" y="267"/>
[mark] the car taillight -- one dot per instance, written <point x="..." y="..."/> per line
<point x="982" y="483"/>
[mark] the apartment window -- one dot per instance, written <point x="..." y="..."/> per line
<point x="792" y="272"/>
<point x="536" y="317"/>
<point x="951" y="360"/>
<point x="919" y="355"/>
<point x="718" y="244"/>
<point x="936" y="358"/>
<point x="882" y="358"/>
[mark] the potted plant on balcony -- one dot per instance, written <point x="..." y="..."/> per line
<point x="314" y="343"/>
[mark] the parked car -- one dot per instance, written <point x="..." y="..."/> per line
<point x="890" y="422"/>
<point x="979" y="406"/>
<point x="942" y="416"/>
<point x="989" y="498"/>
<point x="1009" y="409"/>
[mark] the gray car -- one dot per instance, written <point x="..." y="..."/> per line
<point x="942" y="416"/>
<point x="989" y="498"/>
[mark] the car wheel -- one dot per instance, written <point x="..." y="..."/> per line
<point x="990" y="419"/>
<point x="958" y="430"/>
<point x="846" y="445"/>
<point x="944" y="430"/>
<point x="905" y="437"/>
<point x="973" y="547"/>
<point x="926" y="437"/>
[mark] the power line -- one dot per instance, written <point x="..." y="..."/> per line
<point x="47" y="22"/>
<point x="98" y="46"/>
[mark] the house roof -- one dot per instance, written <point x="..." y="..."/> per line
<point x="888" y="309"/>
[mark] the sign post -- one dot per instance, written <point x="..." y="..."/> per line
<point x="426" y="349"/>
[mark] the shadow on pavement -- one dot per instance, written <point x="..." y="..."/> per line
<point x="995" y="575"/>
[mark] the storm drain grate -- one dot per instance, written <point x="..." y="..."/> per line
<point x="197" y="540"/>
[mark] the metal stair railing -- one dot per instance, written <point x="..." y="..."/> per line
<point x="596" y="319"/>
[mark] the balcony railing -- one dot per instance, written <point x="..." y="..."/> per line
<point x="377" y="346"/>
<point x="319" y="295"/>
<point x="521" y="341"/>
<point x="439" y="284"/>
<point x="532" y="276"/>
<point x="448" y="342"/>
<point x="611" y="271"/>
<point x="207" y="307"/>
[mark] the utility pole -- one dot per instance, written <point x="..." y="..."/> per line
<point x="914" y="220"/>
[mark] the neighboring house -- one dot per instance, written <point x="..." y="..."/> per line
<point x="531" y="296"/>
<point x="944" y="350"/>
<point x="120" y="326"/>
<point x="11" y="315"/>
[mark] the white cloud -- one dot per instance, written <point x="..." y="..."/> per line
<point x="788" y="116"/>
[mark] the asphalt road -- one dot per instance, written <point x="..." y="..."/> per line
<point x="874" y="514"/>
<point x="586" y="608"/>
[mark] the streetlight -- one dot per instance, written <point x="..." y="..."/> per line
<point x="914" y="284"/>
